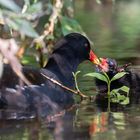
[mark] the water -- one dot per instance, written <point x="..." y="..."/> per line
<point x="112" y="27"/>
<point x="115" y="31"/>
<point x="81" y="122"/>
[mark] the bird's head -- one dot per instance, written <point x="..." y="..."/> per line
<point x="107" y="65"/>
<point x="74" y="46"/>
<point x="104" y="64"/>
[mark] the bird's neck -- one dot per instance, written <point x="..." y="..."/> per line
<point x="63" y="68"/>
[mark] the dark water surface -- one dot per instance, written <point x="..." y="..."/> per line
<point x="82" y="122"/>
<point x="115" y="31"/>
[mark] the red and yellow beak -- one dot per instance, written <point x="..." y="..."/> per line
<point x="101" y="63"/>
<point x="93" y="58"/>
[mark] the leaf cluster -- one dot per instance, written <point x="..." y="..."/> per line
<point x="115" y="95"/>
<point x="36" y="25"/>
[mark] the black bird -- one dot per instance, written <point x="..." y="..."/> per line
<point x="69" y="52"/>
<point x="131" y="80"/>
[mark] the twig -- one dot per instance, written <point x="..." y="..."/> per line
<point x="75" y="79"/>
<point x="65" y="87"/>
<point x="52" y="21"/>
<point x="9" y="48"/>
<point x="123" y="68"/>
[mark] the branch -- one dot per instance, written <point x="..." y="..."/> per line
<point x="9" y="49"/>
<point x="52" y="21"/>
<point x="65" y="87"/>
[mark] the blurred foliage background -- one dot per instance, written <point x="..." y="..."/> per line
<point x="35" y="25"/>
<point x="113" y="25"/>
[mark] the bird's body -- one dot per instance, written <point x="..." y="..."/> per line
<point x="69" y="52"/>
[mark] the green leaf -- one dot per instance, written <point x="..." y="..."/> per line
<point x="10" y="4"/>
<point x="98" y="76"/>
<point x="107" y="77"/>
<point x="22" y="26"/>
<point x="11" y="24"/>
<point x="116" y="96"/>
<point x="114" y="91"/>
<point x="36" y="7"/>
<point x="125" y="89"/>
<point x="126" y="101"/>
<point x="118" y="76"/>
<point x="114" y="100"/>
<point x="70" y="25"/>
<point x="29" y="60"/>
<point x="26" y="28"/>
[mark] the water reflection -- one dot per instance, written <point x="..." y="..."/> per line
<point x="122" y="125"/>
<point x="84" y="121"/>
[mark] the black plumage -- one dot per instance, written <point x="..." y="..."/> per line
<point x="69" y="52"/>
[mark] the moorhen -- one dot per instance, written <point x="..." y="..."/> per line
<point x="69" y="52"/>
<point x="131" y="80"/>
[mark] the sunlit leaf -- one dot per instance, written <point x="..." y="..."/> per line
<point x="10" y="4"/>
<point x="116" y="96"/>
<point x="34" y="8"/>
<point x="23" y="26"/>
<point x="98" y="76"/>
<point x="118" y="75"/>
<point x="70" y="25"/>
<point x="125" y="89"/>
<point x="114" y="100"/>
<point x="126" y="101"/>
<point x="26" y="28"/>
<point x="107" y="77"/>
<point x="12" y="24"/>
<point x="29" y="60"/>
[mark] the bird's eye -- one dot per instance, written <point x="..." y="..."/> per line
<point x="86" y="45"/>
<point x="111" y="63"/>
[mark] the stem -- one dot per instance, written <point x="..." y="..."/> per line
<point x="76" y="85"/>
<point x="75" y="80"/>
<point x="108" y="90"/>
<point x="108" y="94"/>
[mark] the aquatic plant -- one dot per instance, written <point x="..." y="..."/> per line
<point x="114" y="95"/>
